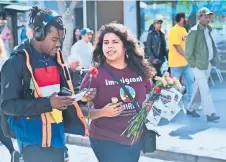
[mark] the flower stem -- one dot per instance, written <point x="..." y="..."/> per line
<point x="88" y="101"/>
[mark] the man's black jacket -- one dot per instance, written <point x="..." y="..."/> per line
<point x="156" y="46"/>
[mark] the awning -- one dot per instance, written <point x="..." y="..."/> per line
<point x="17" y="7"/>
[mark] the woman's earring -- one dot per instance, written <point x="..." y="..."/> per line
<point x="127" y="56"/>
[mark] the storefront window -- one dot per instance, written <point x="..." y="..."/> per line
<point x="150" y="11"/>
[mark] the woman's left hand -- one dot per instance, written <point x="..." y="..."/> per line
<point x="148" y="105"/>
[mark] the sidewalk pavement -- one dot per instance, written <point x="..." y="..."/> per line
<point x="188" y="139"/>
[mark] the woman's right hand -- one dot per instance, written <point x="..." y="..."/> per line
<point x="112" y="110"/>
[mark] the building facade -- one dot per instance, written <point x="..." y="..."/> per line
<point x="139" y="15"/>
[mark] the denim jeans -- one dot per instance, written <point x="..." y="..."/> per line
<point x="187" y="75"/>
<point x="109" y="151"/>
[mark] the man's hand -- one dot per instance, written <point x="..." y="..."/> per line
<point x="89" y="96"/>
<point x="60" y="102"/>
<point x="179" y="49"/>
<point x="75" y="65"/>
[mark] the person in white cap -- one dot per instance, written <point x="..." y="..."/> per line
<point x="201" y="53"/>
<point x="82" y="50"/>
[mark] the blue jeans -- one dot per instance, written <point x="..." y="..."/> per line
<point x="109" y="151"/>
<point x="186" y="73"/>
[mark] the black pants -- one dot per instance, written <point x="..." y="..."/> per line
<point x="6" y="141"/>
<point x="158" y="69"/>
<point x="39" y="154"/>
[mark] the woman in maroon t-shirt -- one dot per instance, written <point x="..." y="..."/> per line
<point x="118" y="50"/>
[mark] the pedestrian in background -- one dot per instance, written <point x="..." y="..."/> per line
<point x="201" y="54"/>
<point x="179" y="67"/>
<point x="156" y="46"/>
<point x="119" y="51"/>
<point x="75" y="66"/>
<point x="76" y="35"/>
<point x="82" y="50"/>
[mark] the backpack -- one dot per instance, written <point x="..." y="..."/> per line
<point x="7" y="130"/>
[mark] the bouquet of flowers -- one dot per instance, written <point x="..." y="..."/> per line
<point x="170" y="101"/>
<point x="158" y="109"/>
<point x="137" y="121"/>
<point x="166" y="81"/>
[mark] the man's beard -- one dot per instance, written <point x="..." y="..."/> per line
<point x="52" y="54"/>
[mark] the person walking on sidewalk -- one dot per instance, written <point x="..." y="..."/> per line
<point x="156" y="46"/>
<point x="82" y="50"/>
<point x="21" y="47"/>
<point x="31" y="80"/>
<point x="15" y="155"/>
<point x="201" y="54"/>
<point x="119" y="51"/>
<point x="178" y="65"/>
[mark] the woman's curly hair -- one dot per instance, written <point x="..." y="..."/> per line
<point x="135" y="52"/>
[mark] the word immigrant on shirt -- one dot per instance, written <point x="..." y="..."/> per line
<point x="124" y="80"/>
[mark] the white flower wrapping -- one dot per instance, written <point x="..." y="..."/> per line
<point x="168" y="106"/>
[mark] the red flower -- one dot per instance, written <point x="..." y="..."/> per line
<point x="93" y="72"/>
<point x="157" y="90"/>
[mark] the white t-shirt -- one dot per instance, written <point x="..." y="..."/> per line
<point x="209" y="43"/>
<point x="82" y="52"/>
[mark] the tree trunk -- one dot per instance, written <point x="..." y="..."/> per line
<point x="68" y="18"/>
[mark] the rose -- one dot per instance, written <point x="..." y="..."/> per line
<point x="169" y="80"/>
<point x="157" y="90"/>
<point x="164" y="83"/>
<point x="166" y="74"/>
<point x="157" y="78"/>
<point x="93" y="72"/>
<point x="178" y="84"/>
<point x="174" y="79"/>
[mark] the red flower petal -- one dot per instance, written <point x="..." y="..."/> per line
<point x="157" y="90"/>
<point x="93" y="72"/>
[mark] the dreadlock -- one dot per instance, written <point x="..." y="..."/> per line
<point x="37" y="16"/>
<point x="34" y="11"/>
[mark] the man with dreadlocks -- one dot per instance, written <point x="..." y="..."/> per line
<point x="31" y="80"/>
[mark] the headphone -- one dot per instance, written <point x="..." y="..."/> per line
<point x="39" y="32"/>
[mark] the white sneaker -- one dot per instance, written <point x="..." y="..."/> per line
<point x="200" y="108"/>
